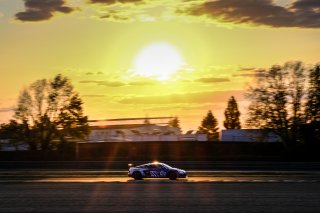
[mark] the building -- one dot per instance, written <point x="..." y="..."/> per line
<point x="134" y="132"/>
<point x="249" y="135"/>
<point x="192" y="135"/>
<point x="140" y="132"/>
<point x="6" y="145"/>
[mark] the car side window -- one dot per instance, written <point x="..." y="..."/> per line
<point x="153" y="166"/>
<point x="162" y="166"/>
<point x="156" y="166"/>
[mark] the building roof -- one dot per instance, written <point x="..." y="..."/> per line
<point x="121" y="126"/>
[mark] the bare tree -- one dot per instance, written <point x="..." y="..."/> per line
<point x="276" y="101"/>
<point x="312" y="113"/>
<point x="53" y="111"/>
<point x="313" y="100"/>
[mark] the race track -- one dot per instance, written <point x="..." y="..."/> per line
<point x="85" y="187"/>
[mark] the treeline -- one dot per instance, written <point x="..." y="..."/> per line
<point x="209" y="124"/>
<point x="284" y="100"/>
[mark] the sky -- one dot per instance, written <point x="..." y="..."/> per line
<point x="136" y="58"/>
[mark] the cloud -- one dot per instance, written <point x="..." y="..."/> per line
<point x="247" y="69"/>
<point x="257" y="72"/>
<point x="93" y="96"/>
<point x="306" y="4"/>
<point x="120" y="10"/>
<point x="94" y="73"/>
<point x="104" y="83"/>
<point x="195" y="97"/>
<point x="301" y="13"/>
<point x="145" y="82"/>
<point x="115" y="83"/>
<point x="182" y="107"/>
<point x="244" y="75"/>
<point x="109" y="2"/>
<point x="115" y="15"/>
<point x="39" y="10"/>
<point x="6" y="109"/>
<point x="212" y="80"/>
<point x="260" y="73"/>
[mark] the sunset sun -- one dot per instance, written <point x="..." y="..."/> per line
<point x="159" y="60"/>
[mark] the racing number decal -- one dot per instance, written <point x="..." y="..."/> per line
<point x="153" y="174"/>
<point x="156" y="174"/>
<point x="162" y="173"/>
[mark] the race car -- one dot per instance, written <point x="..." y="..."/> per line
<point x="155" y="170"/>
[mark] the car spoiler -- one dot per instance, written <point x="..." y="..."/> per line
<point x="130" y="165"/>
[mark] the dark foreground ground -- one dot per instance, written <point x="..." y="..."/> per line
<point x="158" y="196"/>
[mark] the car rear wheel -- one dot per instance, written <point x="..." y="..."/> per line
<point x="137" y="175"/>
<point x="172" y="176"/>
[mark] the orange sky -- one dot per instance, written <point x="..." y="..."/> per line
<point x="221" y="45"/>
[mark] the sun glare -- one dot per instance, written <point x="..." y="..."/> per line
<point x="159" y="60"/>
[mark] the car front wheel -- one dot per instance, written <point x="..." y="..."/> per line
<point x="173" y="176"/>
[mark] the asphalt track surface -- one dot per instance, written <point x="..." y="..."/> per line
<point x="187" y="165"/>
<point x="88" y="187"/>
<point x="47" y="177"/>
<point x="158" y="196"/>
<point x="11" y="176"/>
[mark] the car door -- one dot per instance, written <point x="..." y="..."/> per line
<point x="155" y="170"/>
<point x="163" y="171"/>
<point x="146" y="170"/>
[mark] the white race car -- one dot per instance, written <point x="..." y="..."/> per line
<point x="155" y="170"/>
